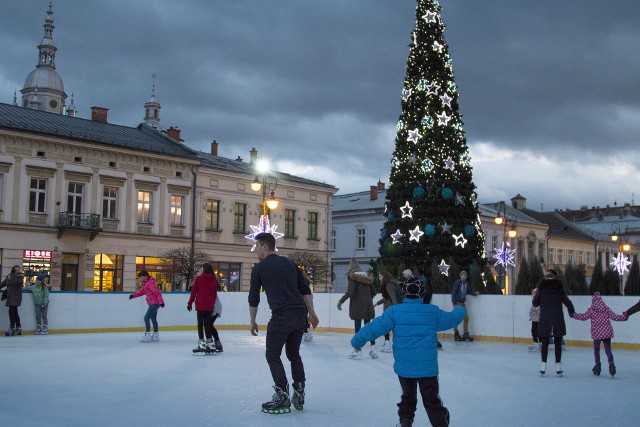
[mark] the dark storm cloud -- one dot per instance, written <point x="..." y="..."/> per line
<point x="317" y="84"/>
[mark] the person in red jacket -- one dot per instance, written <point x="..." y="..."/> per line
<point x="155" y="301"/>
<point x="204" y="292"/>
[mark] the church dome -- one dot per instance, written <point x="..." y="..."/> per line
<point x="44" y="78"/>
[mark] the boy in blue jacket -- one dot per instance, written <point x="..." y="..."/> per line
<point x="415" y="326"/>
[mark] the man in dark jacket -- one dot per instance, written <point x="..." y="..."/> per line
<point x="290" y="299"/>
<point x="13" y="282"/>
<point x="550" y="297"/>
<point x="461" y="288"/>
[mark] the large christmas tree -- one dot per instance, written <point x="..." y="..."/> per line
<point x="431" y="210"/>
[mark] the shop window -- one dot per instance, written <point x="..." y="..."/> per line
<point x="108" y="273"/>
<point x="34" y="262"/>
<point x="228" y="275"/>
<point x="164" y="270"/>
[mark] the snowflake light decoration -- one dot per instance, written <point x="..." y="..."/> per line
<point x="505" y="255"/>
<point x="620" y="263"/>
<point x="264" y="226"/>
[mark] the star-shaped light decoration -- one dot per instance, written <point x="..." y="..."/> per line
<point x="396" y="236"/>
<point x="264" y="226"/>
<point x="430" y="17"/>
<point x="406" y="94"/>
<point x="620" y="263"/>
<point x="460" y="240"/>
<point x="449" y="163"/>
<point x="505" y="255"/>
<point x="414" y="135"/>
<point x="444" y="268"/>
<point x="416" y="234"/>
<point x="432" y="190"/>
<point x="443" y="119"/>
<point x="445" y="227"/>
<point x="437" y="46"/>
<point x="432" y="88"/>
<point x="406" y="210"/>
<point x="446" y="100"/>
<point x="459" y="199"/>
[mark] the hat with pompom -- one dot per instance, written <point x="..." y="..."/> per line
<point x="413" y="287"/>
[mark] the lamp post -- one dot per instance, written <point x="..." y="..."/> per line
<point x="267" y="183"/>
<point x="509" y="222"/>
<point x="622" y="238"/>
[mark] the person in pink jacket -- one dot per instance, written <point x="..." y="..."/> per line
<point x="601" y="329"/>
<point x="155" y="301"/>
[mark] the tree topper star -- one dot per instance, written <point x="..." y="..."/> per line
<point x="263" y="227"/>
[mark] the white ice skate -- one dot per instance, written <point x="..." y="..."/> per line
<point x="146" y="337"/>
<point x="356" y="355"/>
<point x="155" y="337"/>
<point x="543" y="368"/>
<point x="559" y="370"/>
<point x="386" y="347"/>
<point x="307" y="336"/>
<point x="373" y="352"/>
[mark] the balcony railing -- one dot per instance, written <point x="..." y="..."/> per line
<point x="73" y="221"/>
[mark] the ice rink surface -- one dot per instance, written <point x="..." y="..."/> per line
<point x="111" y="379"/>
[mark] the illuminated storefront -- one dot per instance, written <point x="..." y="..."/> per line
<point x="228" y="275"/>
<point x="34" y="262"/>
<point x="107" y="275"/>
<point x="161" y="269"/>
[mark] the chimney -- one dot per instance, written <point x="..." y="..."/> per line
<point x="253" y="155"/>
<point x="214" y="148"/>
<point x="174" y="133"/>
<point x="239" y="159"/>
<point x="99" y="114"/>
<point x="380" y="185"/>
<point x="373" y="192"/>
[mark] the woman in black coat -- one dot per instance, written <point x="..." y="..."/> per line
<point x="13" y="282"/>
<point x="549" y="298"/>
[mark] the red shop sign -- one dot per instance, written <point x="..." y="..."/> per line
<point x="34" y="253"/>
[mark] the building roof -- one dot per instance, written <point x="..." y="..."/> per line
<point x="560" y="226"/>
<point x="359" y="201"/>
<point x="142" y="138"/>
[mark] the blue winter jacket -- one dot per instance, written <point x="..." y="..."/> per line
<point x="415" y="343"/>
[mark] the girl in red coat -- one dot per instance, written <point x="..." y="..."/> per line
<point x="601" y="330"/>
<point x="204" y="292"/>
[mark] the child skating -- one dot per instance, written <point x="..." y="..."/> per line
<point x="534" y="317"/>
<point x="155" y="301"/>
<point x="601" y="330"/>
<point x="41" y="304"/>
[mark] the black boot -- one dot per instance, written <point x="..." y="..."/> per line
<point x="298" y="395"/>
<point x="457" y="336"/>
<point x="406" y="422"/>
<point x="467" y="337"/>
<point x="612" y="369"/>
<point x="596" y="369"/>
<point x="279" y="403"/>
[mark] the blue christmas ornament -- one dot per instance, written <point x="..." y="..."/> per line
<point x="419" y="192"/>
<point x="383" y="233"/>
<point x="469" y="230"/>
<point x="430" y="229"/>
<point x="390" y="217"/>
<point x="446" y="193"/>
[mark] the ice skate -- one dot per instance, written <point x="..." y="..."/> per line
<point x="373" y="352"/>
<point x="279" y="403"/>
<point x="146" y="337"/>
<point x="596" y="369"/>
<point x="535" y="347"/>
<point x="218" y="345"/>
<point x="386" y="347"/>
<point x="11" y="332"/>
<point x="612" y="369"/>
<point x="210" y="346"/>
<point x="356" y="354"/>
<point x="457" y="336"/>
<point x="200" y="347"/>
<point x="559" y="370"/>
<point x="155" y="337"/>
<point x="45" y="330"/>
<point x="38" y="330"/>
<point x="467" y="337"/>
<point x="307" y="336"/>
<point x="18" y="331"/>
<point x="405" y="422"/>
<point x="543" y="368"/>
<point x="439" y="345"/>
<point x="298" y="395"/>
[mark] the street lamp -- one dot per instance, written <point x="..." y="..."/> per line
<point x="509" y="222"/>
<point x="267" y="183"/>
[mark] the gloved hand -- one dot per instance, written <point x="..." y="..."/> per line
<point x="162" y="305"/>
<point x="571" y="314"/>
<point x="189" y="308"/>
<point x="626" y="316"/>
<point x="131" y="296"/>
<point x="340" y="306"/>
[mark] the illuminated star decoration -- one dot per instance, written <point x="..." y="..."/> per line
<point x="620" y="263"/>
<point x="460" y="240"/>
<point x="406" y="94"/>
<point x="430" y="17"/>
<point x="446" y="228"/>
<point x="437" y="46"/>
<point x="415" y="234"/>
<point x="432" y="88"/>
<point x="406" y="210"/>
<point x="444" y="268"/>
<point x="446" y="100"/>
<point x="459" y="199"/>
<point x="414" y="135"/>
<point x="505" y="255"/>
<point x="449" y="163"/>
<point x="396" y="237"/>
<point x="443" y="119"/>
<point x="263" y="227"/>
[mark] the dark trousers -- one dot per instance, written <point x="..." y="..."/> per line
<point x="357" y="325"/>
<point x="285" y="329"/>
<point x="204" y="322"/>
<point x="534" y="332"/>
<point x="214" y="331"/>
<point x="14" y="317"/>
<point x="557" y="342"/>
<point x="607" y="349"/>
<point x="437" y="413"/>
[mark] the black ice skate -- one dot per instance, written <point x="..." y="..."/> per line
<point x="457" y="336"/>
<point x="203" y="349"/>
<point x="439" y="345"/>
<point x="406" y="422"/>
<point x="279" y="403"/>
<point x="298" y="395"/>
<point x="612" y="369"/>
<point x="11" y="332"/>
<point x="218" y="345"/>
<point x="467" y="337"/>
<point x="596" y="369"/>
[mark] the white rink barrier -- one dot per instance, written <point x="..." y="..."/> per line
<point x="495" y="317"/>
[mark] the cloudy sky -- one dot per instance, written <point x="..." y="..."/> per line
<point x="549" y="90"/>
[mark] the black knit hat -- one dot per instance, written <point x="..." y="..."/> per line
<point x="413" y="288"/>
